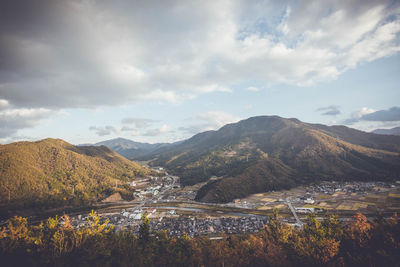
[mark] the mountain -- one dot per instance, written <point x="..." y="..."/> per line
<point x="393" y="131"/>
<point x="52" y="172"/>
<point x="130" y="149"/>
<point x="270" y="153"/>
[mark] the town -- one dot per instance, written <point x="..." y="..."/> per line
<point x="180" y="225"/>
<point x="170" y="207"/>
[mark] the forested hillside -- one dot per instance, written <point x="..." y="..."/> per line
<point x="271" y="153"/>
<point x="52" y="173"/>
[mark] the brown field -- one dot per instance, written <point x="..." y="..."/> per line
<point x="380" y="198"/>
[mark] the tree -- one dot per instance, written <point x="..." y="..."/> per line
<point x="144" y="229"/>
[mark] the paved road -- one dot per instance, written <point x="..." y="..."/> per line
<point x="293" y="211"/>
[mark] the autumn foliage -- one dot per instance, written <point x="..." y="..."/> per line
<point x="52" y="173"/>
<point x="326" y="242"/>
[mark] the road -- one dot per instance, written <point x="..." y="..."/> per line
<point x="293" y="211"/>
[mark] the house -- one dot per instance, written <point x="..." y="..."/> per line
<point x="309" y="201"/>
<point x="172" y="212"/>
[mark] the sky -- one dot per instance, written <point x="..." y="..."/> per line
<point x="161" y="71"/>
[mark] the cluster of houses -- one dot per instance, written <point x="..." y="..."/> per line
<point x="149" y="191"/>
<point x="335" y="188"/>
<point x="153" y="186"/>
<point x="331" y="188"/>
<point x="178" y="225"/>
<point x="208" y="226"/>
<point x="123" y="219"/>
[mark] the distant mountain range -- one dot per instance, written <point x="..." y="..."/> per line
<point x="130" y="149"/>
<point x="254" y="155"/>
<point x="271" y="153"/>
<point x="54" y="173"/>
<point x="393" y="131"/>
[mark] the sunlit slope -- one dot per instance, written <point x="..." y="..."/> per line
<point x="52" y="172"/>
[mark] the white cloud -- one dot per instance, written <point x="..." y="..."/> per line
<point x="15" y="138"/>
<point x="368" y="126"/>
<point x="361" y="112"/>
<point x="141" y="128"/>
<point x="166" y="96"/>
<point x="138" y="122"/>
<point x="93" y="53"/>
<point x="368" y="119"/>
<point x="112" y="53"/>
<point x="13" y="119"/>
<point x="334" y="31"/>
<point x="103" y="131"/>
<point x="4" y="104"/>
<point x="356" y="115"/>
<point x="164" y="129"/>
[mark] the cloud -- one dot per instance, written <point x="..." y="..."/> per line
<point x="16" y="138"/>
<point x="127" y="129"/>
<point x="140" y="128"/>
<point x="211" y="120"/>
<point x="359" y="115"/>
<point x="103" y="131"/>
<point x="392" y="114"/>
<point x="164" y="129"/>
<point x="13" y="119"/>
<point x="332" y="110"/>
<point x="4" y="104"/>
<point x="118" y="52"/>
<point x="138" y="122"/>
<point x="86" y="54"/>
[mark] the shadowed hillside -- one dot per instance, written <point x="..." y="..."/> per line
<point x="51" y="172"/>
<point x="270" y="152"/>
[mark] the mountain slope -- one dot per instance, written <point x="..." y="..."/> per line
<point x="392" y="131"/>
<point x="52" y="172"/>
<point x="130" y="149"/>
<point x="269" y="152"/>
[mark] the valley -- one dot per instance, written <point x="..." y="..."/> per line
<point x="173" y="208"/>
<point x="200" y="133"/>
<point x="270" y="153"/>
<point x="243" y="170"/>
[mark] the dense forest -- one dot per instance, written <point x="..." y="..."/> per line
<point x="52" y="173"/>
<point x="329" y="242"/>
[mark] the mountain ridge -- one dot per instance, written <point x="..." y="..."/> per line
<point x="128" y="148"/>
<point x="246" y="152"/>
<point x="52" y="172"/>
<point x="392" y="131"/>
